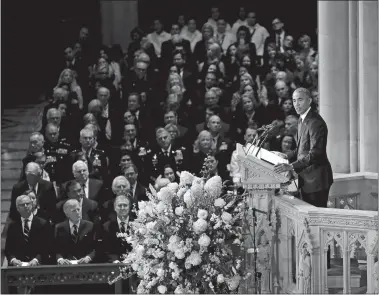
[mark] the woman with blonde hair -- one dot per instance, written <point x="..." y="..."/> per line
<point x="67" y="80"/>
<point x="307" y="53"/>
<point x="214" y="54"/>
<point x="245" y="79"/>
<point x="202" y="148"/>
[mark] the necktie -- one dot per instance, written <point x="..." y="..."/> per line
<point x="84" y="190"/>
<point x="26" y="230"/>
<point x="74" y="234"/>
<point x="279" y="43"/>
<point x="299" y="127"/>
<point x="123" y="227"/>
<point x="252" y="34"/>
<point x="166" y="153"/>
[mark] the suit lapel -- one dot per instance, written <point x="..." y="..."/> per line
<point x="303" y="127"/>
<point x="81" y="230"/>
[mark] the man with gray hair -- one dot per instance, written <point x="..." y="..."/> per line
<point x="309" y="160"/>
<point x="23" y="246"/>
<point x="43" y="189"/>
<point x="74" y="238"/>
<point x="120" y="187"/>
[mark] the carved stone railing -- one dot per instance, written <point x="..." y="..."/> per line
<point x="49" y="275"/>
<point x="303" y="235"/>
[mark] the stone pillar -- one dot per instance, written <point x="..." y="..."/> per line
<point x="353" y="86"/>
<point x="368" y="85"/>
<point x="118" y="18"/>
<point x="333" y="24"/>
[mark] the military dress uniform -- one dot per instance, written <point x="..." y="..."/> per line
<point x="177" y="158"/>
<point x="57" y="160"/>
<point x="97" y="163"/>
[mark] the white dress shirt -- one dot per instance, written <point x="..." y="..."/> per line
<point x="237" y="25"/>
<point x="193" y="38"/>
<point x="134" y="190"/>
<point x="281" y="37"/>
<point x="35" y="188"/>
<point x="302" y="116"/>
<point x="30" y="219"/>
<point x="157" y="40"/>
<point x="86" y="188"/>
<point x="167" y="151"/>
<point x="213" y="24"/>
<point x="259" y="37"/>
<point x="126" y="222"/>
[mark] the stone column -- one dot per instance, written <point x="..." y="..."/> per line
<point x="333" y="24"/>
<point x="118" y="18"/>
<point x="353" y="85"/>
<point x="368" y="85"/>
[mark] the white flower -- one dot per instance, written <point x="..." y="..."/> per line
<point x="204" y="240"/>
<point x="187" y="265"/>
<point x="160" y="207"/>
<point x="194" y="258"/>
<point x="150" y="225"/>
<point x="200" y="226"/>
<point x="213" y="187"/>
<point x="181" y="192"/>
<point x="237" y="242"/>
<point x="139" y="250"/>
<point x="188" y="198"/>
<point x="186" y="178"/>
<point x="173" y="186"/>
<point x="141" y="205"/>
<point x="142" y="230"/>
<point x="226" y="217"/>
<point x="172" y="265"/>
<point x="220" y="279"/>
<point x="179" y="253"/>
<point x="197" y="188"/>
<point x="179" y="210"/>
<point x="234" y="282"/>
<point x="162" y="289"/>
<point x="160" y="272"/>
<point x="179" y="289"/>
<point x="165" y="195"/>
<point x="203" y="214"/>
<point x="219" y="202"/>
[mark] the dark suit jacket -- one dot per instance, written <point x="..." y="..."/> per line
<point x="112" y="246"/>
<point x="309" y="159"/>
<point x="89" y="210"/>
<point x="66" y="248"/>
<point x="16" y="246"/>
<point x="95" y="190"/>
<point x="167" y="49"/>
<point x="46" y="197"/>
<point x="224" y="128"/>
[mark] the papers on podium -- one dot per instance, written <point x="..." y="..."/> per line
<point x="261" y="154"/>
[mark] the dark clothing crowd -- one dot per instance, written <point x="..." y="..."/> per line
<point x="119" y="121"/>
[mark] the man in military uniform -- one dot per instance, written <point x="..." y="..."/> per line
<point x="57" y="152"/>
<point x="96" y="159"/>
<point x="36" y="143"/>
<point x="164" y="154"/>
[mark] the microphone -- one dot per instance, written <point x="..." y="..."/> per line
<point x="265" y="135"/>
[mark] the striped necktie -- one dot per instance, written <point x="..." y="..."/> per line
<point x="74" y="234"/>
<point x="122" y="227"/>
<point x="26" y="230"/>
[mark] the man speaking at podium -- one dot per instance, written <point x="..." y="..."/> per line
<point x="309" y="159"/>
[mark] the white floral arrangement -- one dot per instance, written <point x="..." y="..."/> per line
<point x="187" y="239"/>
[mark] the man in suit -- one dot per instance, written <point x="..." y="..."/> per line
<point x="93" y="188"/>
<point x="113" y="246"/>
<point x="224" y="38"/>
<point x="120" y="187"/>
<point x="137" y="190"/>
<point x="44" y="190"/>
<point x="88" y="207"/>
<point x="309" y="159"/>
<point x="209" y="112"/>
<point x="74" y="237"/>
<point x="277" y="37"/>
<point x="23" y="245"/>
<point x="169" y="46"/>
<point x="219" y="141"/>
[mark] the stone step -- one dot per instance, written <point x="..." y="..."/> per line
<point x="11" y="174"/>
<point x="12" y="155"/>
<point x="6" y="165"/>
<point x="5" y="206"/>
<point x="7" y="185"/>
<point x="15" y="145"/>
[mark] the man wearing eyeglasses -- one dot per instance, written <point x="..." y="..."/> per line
<point x="23" y="246"/>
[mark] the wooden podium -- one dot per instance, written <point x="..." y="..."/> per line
<point x="255" y="174"/>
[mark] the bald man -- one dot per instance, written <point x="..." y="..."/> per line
<point x="44" y="190"/>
